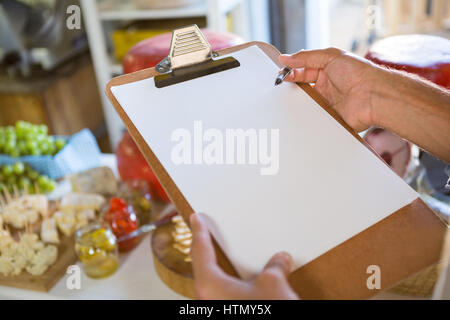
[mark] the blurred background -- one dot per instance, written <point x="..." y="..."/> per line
<point x="54" y="75"/>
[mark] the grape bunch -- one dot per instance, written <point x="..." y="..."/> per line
<point x="24" y="177"/>
<point x="25" y="139"/>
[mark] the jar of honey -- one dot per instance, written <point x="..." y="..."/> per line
<point x="96" y="247"/>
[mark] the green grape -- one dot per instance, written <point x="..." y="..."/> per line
<point x="24" y="183"/>
<point x="59" y="144"/>
<point x="15" y="153"/>
<point x="10" y="144"/>
<point x="11" y="181"/>
<point x="51" y="149"/>
<point x="33" y="175"/>
<point x="36" y="152"/>
<point x="42" y="180"/>
<point x="25" y="138"/>
<point x="20" y="129"/>
<point x="45" y="147"/>
<point x="31" y="145"/>
<point x="33" y="130"/>
<point x="28" y="169"/>
<point x="19" y="168"/>
<point x="20" y="124"/>
<point x="9" y="131"/>
<point x="51" y="185"/>
<point x="24" y="177"/>
<point x="2" y="142"/>
<point x="40" y="137"/>
<point x="43" y="129"/>
<point x="7" y="170"/>
<point x="22" y="147"/>
<point x="31" y="189"/>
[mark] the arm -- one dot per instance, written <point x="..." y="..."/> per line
<point x="415" y="110"/>
<point x="365" y="95"/>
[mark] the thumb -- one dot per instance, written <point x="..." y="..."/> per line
<point x="280" y="262"/>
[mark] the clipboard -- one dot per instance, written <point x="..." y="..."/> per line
<point x="402" y="244"/>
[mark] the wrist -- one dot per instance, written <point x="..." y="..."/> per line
<point x="382" y="93"/>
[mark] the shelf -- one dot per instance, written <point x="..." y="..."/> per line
<point x="127" y="12"/>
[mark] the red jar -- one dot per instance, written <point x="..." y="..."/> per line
<point x="122" y="220"/>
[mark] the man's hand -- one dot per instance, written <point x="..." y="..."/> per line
<point x="341" y="78"/>
<point x="368" y="95"/>
<point x="213" y="283"/>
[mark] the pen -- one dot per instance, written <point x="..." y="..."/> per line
<point x="282" y="75"/>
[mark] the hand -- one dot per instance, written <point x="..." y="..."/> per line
<point x="341" y="78"/>
<point x="365" y="94"/>
<point x="211" y="282"/>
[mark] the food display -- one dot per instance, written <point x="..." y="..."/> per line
<point x="26" y="139"/>
<point x="41" y="234"/>
<point x="23" y="177"/>
<point x="96" y="247"/>
<point x="122" y="221"/>
<point x="76" y="210"/>
<point x="23" y="210"/>
<point x="29" y="254"/>
<point x="35" y="232"/>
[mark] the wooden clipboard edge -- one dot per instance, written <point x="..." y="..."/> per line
<point x="317" y="279"/>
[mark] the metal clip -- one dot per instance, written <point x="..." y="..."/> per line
<point x="190" y="57"/>
<point x="188" y="47"/>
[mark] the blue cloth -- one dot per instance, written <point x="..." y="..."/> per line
<point x="80" y="153"/>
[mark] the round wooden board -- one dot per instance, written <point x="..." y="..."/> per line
<point x="169" y="262"/>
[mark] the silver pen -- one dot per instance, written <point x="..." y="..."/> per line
<point x="282" y="75"/>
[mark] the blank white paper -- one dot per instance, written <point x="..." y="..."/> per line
<point x="329" y="186"/>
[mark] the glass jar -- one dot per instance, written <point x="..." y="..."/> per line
<point x="122" y="220"/>
<point x="136" y="193"/>
<point x="96" y="247"/>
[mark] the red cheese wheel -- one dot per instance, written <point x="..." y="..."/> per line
<point x="150" y="52"/>
<point x="424" y="55"/>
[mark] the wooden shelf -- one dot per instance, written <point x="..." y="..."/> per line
<point x="127" y="12"/>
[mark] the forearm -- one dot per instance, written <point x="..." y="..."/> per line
<point x="413" y="109"/>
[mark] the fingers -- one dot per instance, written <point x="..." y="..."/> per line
<point x="280" y="263"/>
<point x="202" y="250"/>
<point x="210" y="281"/>
<point x="307" y="75"/>
<point x="311" y="59"/>
<point x="273" y="280"/>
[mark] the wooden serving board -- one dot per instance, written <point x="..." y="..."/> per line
<point x="169" y="262"/>
<point x="44" y="282"/>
